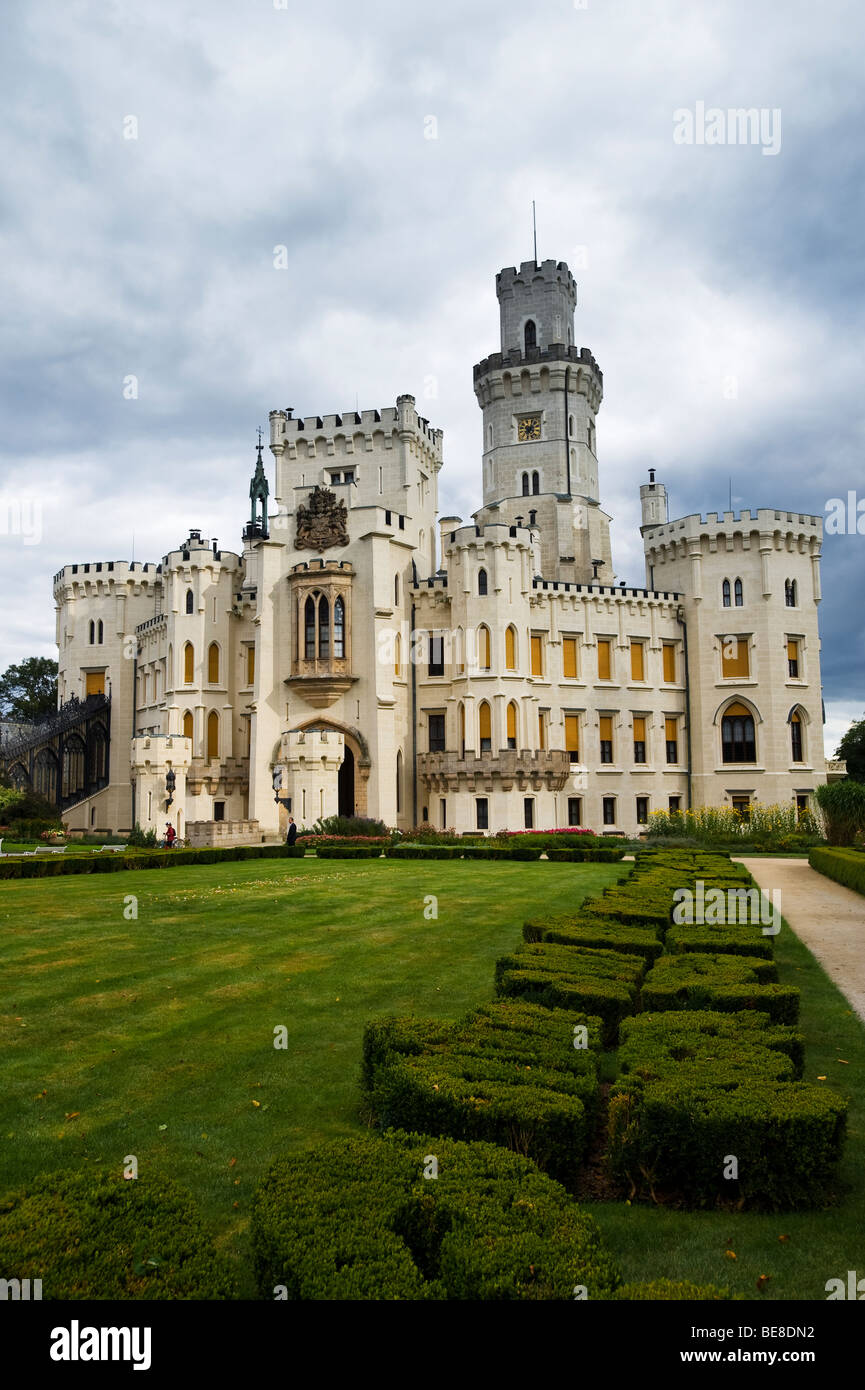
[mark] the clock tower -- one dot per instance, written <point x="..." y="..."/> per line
<point x="540" y="396"/>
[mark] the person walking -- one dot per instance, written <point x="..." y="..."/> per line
<point x="291" y="837"/>
<point x="170" y="836"/>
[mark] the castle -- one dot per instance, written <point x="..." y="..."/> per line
<point x="361" y="655"/>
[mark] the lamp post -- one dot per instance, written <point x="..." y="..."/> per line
<point x="277" y="788"/>
<point x="170" y="782"/>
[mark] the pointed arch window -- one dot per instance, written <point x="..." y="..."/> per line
<point x="482" y="581"/>
<point x="396" y="588"/>
<point x="485" y="726"/>
<point x="213" y="663"/>
<point x="323" y="628"/>
<point x="530" y="335"/>
<point x="512" y="724"/>
<point x="100" y="629"/>
<point x="536" y="484"/>
<point x="190" y="601"/>
<point x="725" y="592"/>
<point x="462" y="728"/>
<point x="187" y="724"/>
<point x="738" y="596"/>
<point x="397" y="655"/>
<point x="339" y="628"/>
<point x="309" y="629"/>
<point x="791" y="597"/>
<point x="796" y="737"/>
<point x="398" y="781"/>
<point x="526" y="489"/>
<point x="738" y="744"/>
<point x="213" y="734"/>
<point x="484" y="648"/>
<point x="92" y="632"/>
<point x="188" y="664"/>
<point x="510" y="648"/>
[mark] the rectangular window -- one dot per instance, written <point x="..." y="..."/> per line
<point x="604" y="660"/>
<point x="639" y="739"/>
<point x="569" y="658"/>
<point x="443" y="812"/>
<point x="575" y="810"/>
<point x="219" y="810"/>
<point x="529" y="812"/>
<point x="671" y="727"/>
<point x="669" y="658"/>
<point x="349" y="476"/>
<point x="250" y="665"/>
<point x="94" y="683"/>
<point x="793" y="659"/>
<point x="436" y="654"/>
<point x="537" y="655"/>
<point x="642" y="810"/>
<point x="734" y="658"/>
<point x="436" y="724"/>
<point x="482" y="811"/>
<point x="637" y="663"/>
<point x="609" y="810"/>
<point x="802" y="806"/>
<point x="542" y="730"/>
<point x="605" y="725"/>
<point x="572" y="737"/>
<point x="742" y="806"/>
<point x="674" y="805"/>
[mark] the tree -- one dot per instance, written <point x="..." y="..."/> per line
<point x="852" y="748"/>
<point x="843" y="807"/>
<point x="28" y="691"/>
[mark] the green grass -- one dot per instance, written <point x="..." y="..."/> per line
<point x="653" y="1243"/>
<point x="154" y="1036"/>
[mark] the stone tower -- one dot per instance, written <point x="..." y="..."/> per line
<point x="540" y="396"/>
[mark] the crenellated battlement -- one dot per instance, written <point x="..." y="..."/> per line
<point x="286" y="429"/>
<point x="556" y="352"/>
<point x="782" y="526"/>
<point x="107" y="574"/>
<point x="532" y="273"/>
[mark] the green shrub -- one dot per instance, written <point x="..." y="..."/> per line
<point x="350" y="827"/>
<point x="349" y="852"/>
<point x="846" y="866"/>
<point x="728" y="983"/>
<point x="585" y="856"/>
<point x="697" y="1088"/>
<point x="424" y="851"/>
<point x="599" y="936"/>
<point x="842" y="806"/>
<point x="729" y="939"/>
<point x="92" y="1236"/>
<point x="142" y="839"/>
<point x="573" y="977"/>
<point x="357" y="1219"/>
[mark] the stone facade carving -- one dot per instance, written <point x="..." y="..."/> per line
<point x="323" y="523"/>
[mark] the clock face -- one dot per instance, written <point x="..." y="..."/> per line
<point x="529" y="428"/>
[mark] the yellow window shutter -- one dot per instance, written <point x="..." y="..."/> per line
<point x="213" y="664"/>
<point x="669" y="663"/>
<point x="572" y="733"/>
<point x="250" y="665"/>
<point x="792" y="650"/>
<point x="606" y="727"/>
<point x="188" y="664"/>
<point x="603" y="661"/>
<point x="187" y="725"/>
<point x="512" y="721"/>
<point x="213" y="734"/>
<point x="510" y="650"/>
<point x="485" y="648"/>
<point x="94" y="683"/>
<point x="637" y="661"/>
<point x="485" y="721"/>
<point x="569" y="658"/>
<point x="734" y="657"/>
<point x="639" y="729"/>
<point x="672" y="728"/>
<point x="463" y="723"/>
<point x="537" y="656"/>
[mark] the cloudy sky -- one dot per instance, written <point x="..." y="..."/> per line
<point x="153" y="155"/>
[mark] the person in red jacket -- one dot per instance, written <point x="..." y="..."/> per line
<point x="170" y="836"/>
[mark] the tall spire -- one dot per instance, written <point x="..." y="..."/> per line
<point x="258" y="492"/>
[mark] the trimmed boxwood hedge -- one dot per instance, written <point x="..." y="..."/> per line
<point x="731" y="939"/>
<point x="845" y="866"/>
<point x="349" y="852"/>
<point x="357" y="1219"/>
<point x="694" y="1092"/>
<point x="424" y="851"/>
<point x="587" y="931"/>
<point x="723" y="982"/>
<point x="97" y="1236"/>
<point x="586" y="856"/>
<point x="52" y="866"/>
<point x="509" y="1072"/>
<point x="573" y="977"/>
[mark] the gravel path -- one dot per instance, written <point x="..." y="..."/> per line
<point x="829" y="919"/>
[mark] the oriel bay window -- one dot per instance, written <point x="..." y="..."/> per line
<point x="321" y="628"/>
<point x="639" y="738"/>
<point x="605" y="726"/>
<point x="671" y="728"/>
<point x="738" y="743"/>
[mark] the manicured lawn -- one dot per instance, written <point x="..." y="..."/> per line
<point x="155" y="1036"/>
<point x="652" y="1243"/>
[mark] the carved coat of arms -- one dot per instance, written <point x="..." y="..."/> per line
<point x="323" y="523"/>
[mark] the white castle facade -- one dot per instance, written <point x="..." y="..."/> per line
<point x="362" y="655"/>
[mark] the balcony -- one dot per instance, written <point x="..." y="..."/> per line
<point x="526" y="769"/>
<point x="321" y="681"/>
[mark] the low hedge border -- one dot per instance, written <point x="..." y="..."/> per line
<point x="698" y="1088"/>
<point x="845" y="866"/>
<point x="508" y="1073"/>
<point x="54" y="865"/>
<point x="95" y="1236"/>
<point x="599" y="982"/>
<point x="719" y="982"/>
<point x="348" y="852"/>
<point x="587" y="931"/>
<point x="357" y="1219"/>
<point x="585" y="856"/>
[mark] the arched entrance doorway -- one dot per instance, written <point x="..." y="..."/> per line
<point x="345" y="784"/>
